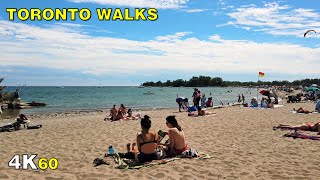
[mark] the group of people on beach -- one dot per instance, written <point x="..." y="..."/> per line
<point x="197" y="97"/>
<point x="148" y="146"/>
<point x="122" y="114"/>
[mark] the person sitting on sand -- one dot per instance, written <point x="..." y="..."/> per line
<point x="254" y="102"/>
<point x="264" y="103"/>
<point x="22" y="119"/>
<point x="209" y="103"/>
<point x="305" y="127"/>
<point x="145" y="150"/>
<point x="118" y="117"/>
<point x="113" y="111"/>
<point x="123" y="109"/>
<point x="302" y="110"/>
<point x="177" y="143"/>
<point x="270" y="104"/>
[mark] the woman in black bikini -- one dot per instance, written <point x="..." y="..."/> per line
<point x="146" y="143"/>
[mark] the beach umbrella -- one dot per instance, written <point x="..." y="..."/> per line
<point x="268" y="93"/>
<point x="265" y="92"/>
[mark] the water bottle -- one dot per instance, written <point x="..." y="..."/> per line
<point x="111" y="150"/>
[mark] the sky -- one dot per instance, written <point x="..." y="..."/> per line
<point x="231" y="39"/>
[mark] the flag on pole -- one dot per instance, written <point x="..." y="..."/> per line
<point x="261" y="74"/>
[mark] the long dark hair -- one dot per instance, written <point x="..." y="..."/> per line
<point x="172" y="120"/>
<point x="146" y="122"/>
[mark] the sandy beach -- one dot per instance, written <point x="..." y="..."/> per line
<point x="241" y="141"/>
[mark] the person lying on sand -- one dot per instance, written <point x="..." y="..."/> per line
<point x="305" y="127"/>
<point x="302" y="110"/>
<point x="201" y="112"/>
<point x="177" y="143"/>
<point x="132" y="116"/>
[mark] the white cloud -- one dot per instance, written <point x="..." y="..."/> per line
<point x="66" y="49"/>
<point x="161" y="4"/>
<point x="274" y="19"/>
<point x="194" y="10"/>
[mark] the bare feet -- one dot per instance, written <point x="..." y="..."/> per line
<point x="128" y="147"/>
<point x="133" y="146"/>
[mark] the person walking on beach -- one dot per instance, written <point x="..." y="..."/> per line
<point x="194" y="96"/>
<point x="198" y="98"/>
<point x="243" y="98"/>
<point x="239" y="98"/>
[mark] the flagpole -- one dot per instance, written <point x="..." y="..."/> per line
<point x="258" y="85"/>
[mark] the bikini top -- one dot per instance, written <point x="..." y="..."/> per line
<point x="143" y="143"/>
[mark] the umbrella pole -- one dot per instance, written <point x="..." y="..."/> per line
<point x="258" y="87"/>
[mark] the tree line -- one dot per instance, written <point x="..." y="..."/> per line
<point x="207" y="81"/>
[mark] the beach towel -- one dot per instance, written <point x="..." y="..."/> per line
<point x="132" y="164"/>
<point x="37" y="126"/>
<point x="302" y="136"/>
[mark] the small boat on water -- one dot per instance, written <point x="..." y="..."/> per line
<point x="149" y="93"/>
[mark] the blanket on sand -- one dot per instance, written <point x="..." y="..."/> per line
<point x="302" y="136"/>
<point x="132" y="164"/>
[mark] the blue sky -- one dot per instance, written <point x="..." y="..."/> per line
<point x="228" y="38"/>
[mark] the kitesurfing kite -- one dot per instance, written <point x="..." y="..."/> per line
<point x="308" y="32"/>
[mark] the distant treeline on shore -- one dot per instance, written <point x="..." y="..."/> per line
<point x="205" y="81"/>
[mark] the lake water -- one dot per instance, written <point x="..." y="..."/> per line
<point x="92" y="98"/>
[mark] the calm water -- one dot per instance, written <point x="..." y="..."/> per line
<point x="89" y="98"/>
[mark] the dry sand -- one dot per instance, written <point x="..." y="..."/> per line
<point x="241" y="141"/>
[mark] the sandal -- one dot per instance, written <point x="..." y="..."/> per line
<point x="100" y="161"/>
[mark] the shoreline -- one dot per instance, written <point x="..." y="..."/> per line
<point x="84" y="112"/>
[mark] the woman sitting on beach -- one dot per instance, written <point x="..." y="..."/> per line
<point x="305" y="127"/>
<point x="123" y="109"/>
<point x="177" y="143"/>
<point x="254" y="102"/>
<point x="264" y="103"/>
<point x="118" y="117"/>
<point x="209" y="103"/>
<point x="113" y="113"/>
<point x="270" y="104"/>
<point x="22" y="119"/>
<point x="146" y="143"/>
